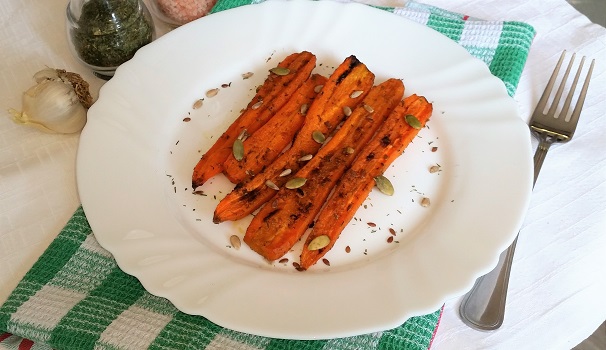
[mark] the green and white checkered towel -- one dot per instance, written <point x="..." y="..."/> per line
<point x="76" y="297"/>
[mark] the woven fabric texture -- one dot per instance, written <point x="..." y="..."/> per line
<point x="76" y="297"/>
<point x="502" y="45"/>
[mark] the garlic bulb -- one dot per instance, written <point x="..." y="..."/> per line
<point x="57" y="103"/>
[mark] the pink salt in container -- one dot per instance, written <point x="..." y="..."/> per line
<point x="178" y="12"/>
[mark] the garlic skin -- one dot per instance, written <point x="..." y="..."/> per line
<point x="46" y="74"/>
<point x="52" y="105"/>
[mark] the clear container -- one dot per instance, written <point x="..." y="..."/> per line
<point x="103" y="34"/>
<point x="178" y="12"/>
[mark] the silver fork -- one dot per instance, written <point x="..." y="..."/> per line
<point x="483" y="307"/>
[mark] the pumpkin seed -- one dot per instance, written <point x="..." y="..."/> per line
<point x="257" y="105"/>
<point x="295" y="182"/>
<point x="285" y="172"/>
<point x="235" y="242"/>
<point x="356" y="94"/>
<point x="318" y="88"/>
<point x="212" y="92"/>
<point x="368" y="108"/>
<point x="413" y="121"/>
<point x="347" y="111"/>
<point x="318" y="136"/>
<point x="304" y="108"/>
<point x="247" y="75"/>
<point x="306" y="157"/>
<point x="271" y="185"/>
<point x="384" y="185"/>
<point x="280" y="70"/>
<point x="319" y="242"/>
<point x="238" y="150"/>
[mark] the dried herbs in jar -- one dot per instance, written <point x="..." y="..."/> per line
<point x="107" y="33"/>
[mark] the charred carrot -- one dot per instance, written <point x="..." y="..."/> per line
<point x="282" y="222"/>
<point x="349" y="84"/>
<point x="272" y="95"/>
<point x="266" y="144"/>
<point x="357" y="182"/>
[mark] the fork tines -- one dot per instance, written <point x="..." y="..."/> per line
<point x="562" y="116"/>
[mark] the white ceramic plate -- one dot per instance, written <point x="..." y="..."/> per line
<point x="137" y="153"/>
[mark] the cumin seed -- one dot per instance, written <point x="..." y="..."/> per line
<point x="425" y="202"/>
<point x="212" y="92"/>
<point x="235" y="242"/>
<point x="356" y="94"/>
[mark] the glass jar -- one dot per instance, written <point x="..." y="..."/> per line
<point x="178" y="12"/>
<point x="106" y="33"/>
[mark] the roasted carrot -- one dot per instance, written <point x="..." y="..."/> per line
<point x="266" y="144"/>
<point x="348" y="85"/>
<point x="357" y="182"/>
<point x="271" y="96"/>
<point x="282" y="222"/>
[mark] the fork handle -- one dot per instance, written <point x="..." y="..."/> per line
<point x="483" y="307"/>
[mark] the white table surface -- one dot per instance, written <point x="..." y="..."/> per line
<point x="558" y="284"/>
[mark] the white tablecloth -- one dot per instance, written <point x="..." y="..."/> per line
<point x="558" y="283"/>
